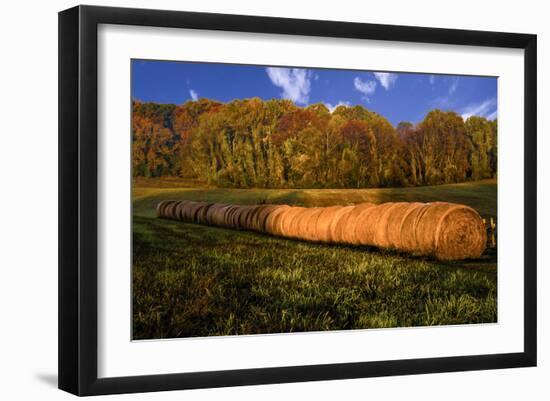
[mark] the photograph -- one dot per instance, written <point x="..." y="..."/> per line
<point x="285" y="199"/>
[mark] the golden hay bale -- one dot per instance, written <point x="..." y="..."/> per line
<point x="408" y="227"/>
<point x="286" y="219"/>
<point x="311" y="224"/>
<point x="334" y="233"/>
<point x="295" y="230"/>
<point x="339" y="230"/>
<point x="322" y="224"/>
<point x="460" y="234"/>
<point x="304" y="222"/>
<point x="381" y="234"/>
<point x="395" y="221"/>
<point x="345" y="229"/>
<point x="450" y="231"/>
<point x="426" y="226"/>
<point x="272" y="218"/>
<point x="444" y="230"/>
<point x="365" y="225"/>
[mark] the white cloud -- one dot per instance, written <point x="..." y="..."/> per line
<point x="367" y="88"/>
<point x="386" y="79"/>
<point x="493" y="115"/>
<point x="454" y="86"/>
<point x="441" y="102"/>
<point x="432" y="79"/>
<point x="487" y="109"/>
<point x="331" y="107"/>
<point x="194" y="95"/>
<point x="295" y="82"/>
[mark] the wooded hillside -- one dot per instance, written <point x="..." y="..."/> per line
<point x="276" y="144"/>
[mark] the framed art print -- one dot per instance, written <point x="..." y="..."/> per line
<point x="252" y="200"/>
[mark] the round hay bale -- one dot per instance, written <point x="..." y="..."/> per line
<point x="449" y="232"/>
<point x="427" y="224"/>
<point x="243" y="216"/>
<point x="342" y="224"/>
<point x="170" y="210"/>
<point x="395" y="220"/>
<point x="160" y="208"/>
<point x="193" y="211"/>
<point x="220" y="216"/>
<point x="348" y="219"/>
<point x="367" y="223"/>
<point x="334" y="233"/>
<point x="228" y="214"/>
<point x="215" y="214"/>
<point x="460" y="234"/>
<point x="164" y="207"/>
<point x="408" y="227"/>
<point x="201" y="213"/>
<point x="262" y="215"/>
<point x="310" y="224"/>
<point x="324" y="220"/>
<point x="286" y="219"/>
<point x="272" y="219"/>
<point x="212" y="210"/>
<point x="251" y="216"/>
<point x="178" y="210"/>
<point x="302" y="222"/>
<point x="296" y="226"/>
<point x="186" y="211"/>
<point x="381" y="236"/>
<point x="345" y="228"/>
<point x="236" y="216"/>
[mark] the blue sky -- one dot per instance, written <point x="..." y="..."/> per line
<point x="396" y="96"/>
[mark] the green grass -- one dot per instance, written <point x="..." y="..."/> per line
<point x="192" y="280"/>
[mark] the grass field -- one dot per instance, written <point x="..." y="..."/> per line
<point x="192" y="280"/>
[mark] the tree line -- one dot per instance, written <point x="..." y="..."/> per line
<point x="275" y="144"/>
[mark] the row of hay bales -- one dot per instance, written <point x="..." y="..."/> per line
<point x="446" y="231"/>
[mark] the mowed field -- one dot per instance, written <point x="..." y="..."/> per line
<point x="192" y="280"/>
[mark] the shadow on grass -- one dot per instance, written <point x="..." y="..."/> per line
<point x="195" y="280"/>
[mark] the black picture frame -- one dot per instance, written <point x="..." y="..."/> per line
<point x="78" y="203"/>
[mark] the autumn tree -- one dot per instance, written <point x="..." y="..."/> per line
<point x="275" y="144"/>
<point x="482" y="140"/>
